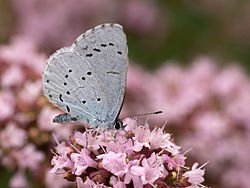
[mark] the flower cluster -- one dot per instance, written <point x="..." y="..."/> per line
<point x="26" y="122"/>
<point x="134" y="157"/>
<point x="208" y="108"/>
<point x="19" y="91"/>
<point x="42" y="22"/>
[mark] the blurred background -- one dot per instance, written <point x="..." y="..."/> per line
<point x="190" y="60"/>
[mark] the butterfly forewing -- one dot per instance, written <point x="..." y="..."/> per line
<point x="105" y="48"/>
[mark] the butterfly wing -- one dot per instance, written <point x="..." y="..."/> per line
<point x="72" y="84"/>
<point x="105" y="48"/>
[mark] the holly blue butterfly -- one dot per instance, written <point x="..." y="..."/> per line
<point x="87" y="80"/>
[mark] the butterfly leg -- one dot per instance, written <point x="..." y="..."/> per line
<point x="64" y="118"/>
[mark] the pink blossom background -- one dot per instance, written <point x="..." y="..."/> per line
<point x="206" y="102"/>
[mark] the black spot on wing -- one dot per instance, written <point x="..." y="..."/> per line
<point x="112" y="72"/>
<point x="89" y="55"/>
<point x="60" y="97"/>
<point x="68" y="109"/>
<point x="97" y="50"/>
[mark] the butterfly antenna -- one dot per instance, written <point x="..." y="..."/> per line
<point x="145" y="114"/>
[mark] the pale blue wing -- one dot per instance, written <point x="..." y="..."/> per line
<point x="72" y="84"/>
<point x="105" y="48"/>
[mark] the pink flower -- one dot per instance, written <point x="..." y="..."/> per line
<point x="28" y="157"/>
<point x="226" y="84"/>
<point x="56" y="180"/>
<point x="171" y="164"/>
<point x="130" y="176"/>
<point x="30" y="92"/>
<point x="22" y="51"/>
<point x="142" y="138"/>
<point x="159" y="139"/>
<point x="40" y="22"/>
<point x="82" y="161"/>
<point x="13" y="76"/>
<point x="136" y="11"/>
<point x="116" y="183"/>
<point x="12" y="136"/>
<point x="131" y="124"/>
<point x="87" y="140"/>
<point x="151" y="169"/>
<point x="120" y="145"/>
<point x="217" y="124"/>
<point x="60" y="162"/>
<point x="18" y="180"/>
<point x="7" y="103"/>
<point x="88" y="183"/>
<point x="115" y="163"/>
<point x="62" y="148"/>
<point x="195" y="176"/>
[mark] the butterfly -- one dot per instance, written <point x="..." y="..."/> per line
<point x="88" y="79"/>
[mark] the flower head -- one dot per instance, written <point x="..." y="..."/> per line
<point x="115" y="163"/>
<point x="82" y="161"/>
<point x="138" y="157"/>
<point x="195" y="175"/>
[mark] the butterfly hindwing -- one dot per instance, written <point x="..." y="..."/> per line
<point x="72" y="84"/>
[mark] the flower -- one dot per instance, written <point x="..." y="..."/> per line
<point x="82" y="161"/>
<point x="13" y="76"/>
<point x="56" y="180"/>
<point x="116" y="163"/>
<point x="86" y="140"/>
<point x="142" y="138"/>
<point x="159" y="139"/>
<point x="195" y="176"/>
<point x="7" y="103"/>
<point x="19" y="180"/>
<point x="60" y="162"/>
<point x="131" y="177"/>
<point x="12" y="136"/>
<point x="151" y="169"/>
<point x="116" y="183"/>
<point x="28" y="157"/>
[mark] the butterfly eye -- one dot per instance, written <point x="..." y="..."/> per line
<point x="118" y="125"/>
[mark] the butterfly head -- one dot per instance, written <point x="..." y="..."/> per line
<point x="118" y="125"/>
